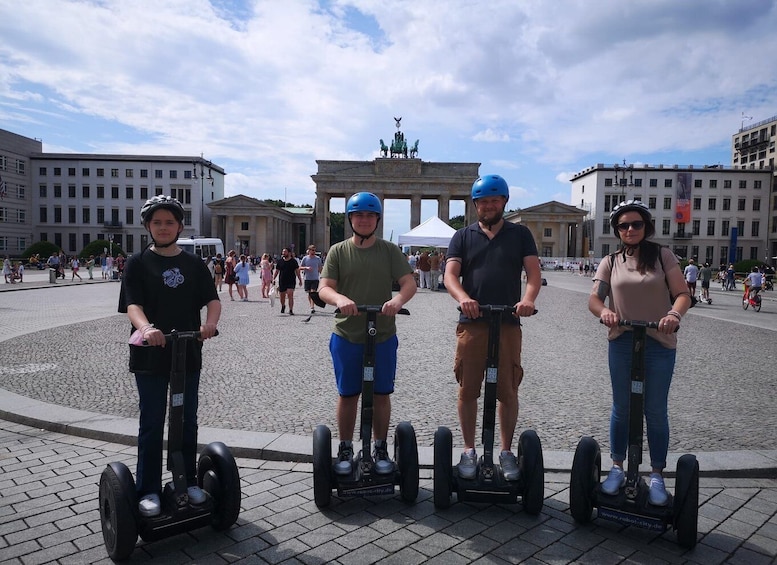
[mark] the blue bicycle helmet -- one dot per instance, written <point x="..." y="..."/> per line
<point x="363" y="202"/>
<point x="490" y="185"/>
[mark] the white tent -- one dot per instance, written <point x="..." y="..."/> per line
<point x="432" y="233"/>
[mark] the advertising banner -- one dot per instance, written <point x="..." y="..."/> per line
<point x="682" y="207"/>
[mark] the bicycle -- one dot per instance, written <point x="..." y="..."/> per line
<point x="754" y="301"/>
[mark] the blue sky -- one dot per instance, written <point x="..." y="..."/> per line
<point x="532" y="89"/>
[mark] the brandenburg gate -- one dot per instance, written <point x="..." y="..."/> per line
<point x="397" y="177"/>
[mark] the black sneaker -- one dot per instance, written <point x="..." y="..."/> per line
<point x="344" y="464"/>
<point x="383" y="465"/>
<point x="291" y="313"/>
<point x="283" y="309"/>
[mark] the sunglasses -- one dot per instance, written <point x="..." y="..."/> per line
<point x="638" y="225"/>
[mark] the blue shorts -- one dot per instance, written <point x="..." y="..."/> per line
<point x="348" y="357"/>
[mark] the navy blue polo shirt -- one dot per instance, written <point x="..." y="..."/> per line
<point x="491" y="268"/>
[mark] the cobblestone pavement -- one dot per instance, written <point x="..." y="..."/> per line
<point x="49" y="514"/>
<point x="66" y="347"/>
<point x="272" y="373"/>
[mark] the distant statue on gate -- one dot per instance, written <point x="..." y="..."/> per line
<point x="383" y="149"/>
<point x="398" y="147"/>
<point x="414" y="150"/>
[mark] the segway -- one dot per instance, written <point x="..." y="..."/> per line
<point x="363" y="480"/>
<point x="489" y="484"/>
<point x="217" y="475"/>
<point x="630" y="505"/>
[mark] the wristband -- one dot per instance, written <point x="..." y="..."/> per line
<point x="675" y="313"/>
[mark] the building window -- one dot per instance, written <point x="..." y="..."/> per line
<point x="727" y="184"/>
<point x="57" y="191"/>
<point x="158" y="174"/>
<point x="128" y="173"/>
<point x="115" y="192"/>
<point x="44" y="215"/>
<point x="57" y="172"/>
<point x="547" y="232"/>
<point x="667" y="203"/>
<point x="724" y="228"/>
<point x="741" y="227"/>
<point x="85" y="191"/>
<point x="43" y="190"/>
<point x="743" y="184"/>
<point x="187" y="174"/>
<point x="755" y="228"/>
<point x="144" y="173"/>
<point x="756" y="204"/>
<point x="129" y="192"/>
<point x="696" y="227"/>
<point x="71" y="191"/>
<point x="713" y="183"/>
<point x="144" y="193"/>
<point x="129" y="214"/>
<point x="667" y="183"/>
<point x="173" y="174"/>
<point x="710" y="227"/>
<point x="665" y="226"/>
<point x="697" y="183"/>
<point x="695" y="251"/>
<point x="187" y="217"/>
<point x="158" y="190"/>
<point x="244" y="226"/>
<point x="712" y="204"/>
<point x="653" y="183"/>
<point x="638" y="183"/>
<point x="100" y="191"/>
<point x="114" y="173"/>
<point x="57" y="215"/>
<point x="71" y="239"/>
<point x="697" y="203"/>
<point x="42" y="171"/>
<point x="652" y="203"/>
<point x="756" y="184"/>
<point x="724" y="254"/>
<point x="71" y="215"/>
<point x="85" y="239"/>
<point x="100" y="216"/>
<point x="741" y="204"/>
<point x="607" y="182"/>
<point x="100" y="172"/>
<point x="85" y="172"/>
<point x="85" y="215"/>
<point x="726" y="204"/>
<point x="754" y="253"/>
<point x="130" y="247"/>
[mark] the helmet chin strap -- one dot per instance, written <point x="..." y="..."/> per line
<point x="364" y="237"/>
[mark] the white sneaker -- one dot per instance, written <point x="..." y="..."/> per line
<point x="196" y="496"/>
<point x="150" y="506"/>
<point x="614" y="481"/>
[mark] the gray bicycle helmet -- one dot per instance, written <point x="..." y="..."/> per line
<point x="632" y="206"/>
<point x="161" y="201"/>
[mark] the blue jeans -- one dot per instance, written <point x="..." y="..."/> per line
<point x="659" y="366"/>
<point x="152" y="389"/>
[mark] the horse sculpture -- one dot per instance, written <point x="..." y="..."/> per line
<point x="399" y="145"/>
<point x="383" y="149"/>
<point x="414" y="150"/>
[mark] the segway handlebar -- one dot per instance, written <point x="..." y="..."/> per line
<point x="638" y="323"/>
<point x="375" y="308"/>
<point x="497" y="308"/>
<point x="183" y="335"/>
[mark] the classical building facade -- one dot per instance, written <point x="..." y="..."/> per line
<point x="388" y="178"/>
<point x="557" y="228"/>
<point x="715" y="214"/>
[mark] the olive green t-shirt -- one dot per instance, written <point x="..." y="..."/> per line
<point x="365" y="276"/>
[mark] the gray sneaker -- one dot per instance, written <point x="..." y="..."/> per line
<point x="150" y="506"/>
<point x="468" y="465"/>
<point x="344" y="464"/>
<point x="614" y="481"/>
<point x="383" y="464"/>
<point x="509" y="465"/>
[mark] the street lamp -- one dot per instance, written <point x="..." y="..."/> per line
<point x="202" y="179"/>
<point x="622" y="180"/>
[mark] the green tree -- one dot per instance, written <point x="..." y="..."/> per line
<point x="97" y="246"/>
<point x="457" y="222"/>
<point x="336" y="226"/>
<point x="44" y="249"/>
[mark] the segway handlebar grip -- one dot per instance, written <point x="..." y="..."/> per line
<point x="632" y="323"/>
<point x="497" y="308"/>
<point x="183" y="335"/>
<point x="375" y="308"/>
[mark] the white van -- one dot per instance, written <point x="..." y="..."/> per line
<point x="203" y="247"/>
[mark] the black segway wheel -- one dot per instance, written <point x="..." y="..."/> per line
<point x="322" y="466"/>
<point x="118" y="502"/>
<point x="686" y="501"/>
<point x="217" y="474"/>
<point x="443" y="467"/>
<point x="406" y="457"/>
<point x="532" y="469"/>
<point x="586" y="470"/>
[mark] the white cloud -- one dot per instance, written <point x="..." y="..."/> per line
<point x="490" y="136"/>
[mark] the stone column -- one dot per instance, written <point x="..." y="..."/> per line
<point x="321" y="235"/>
<point x="253" y="239"/>
<point x="470" y="216"/>
<point x="444" y="208"/>
<point x="230" y="233"/>
<point x="379" y="232"/>
<point x="415" y="210"/>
